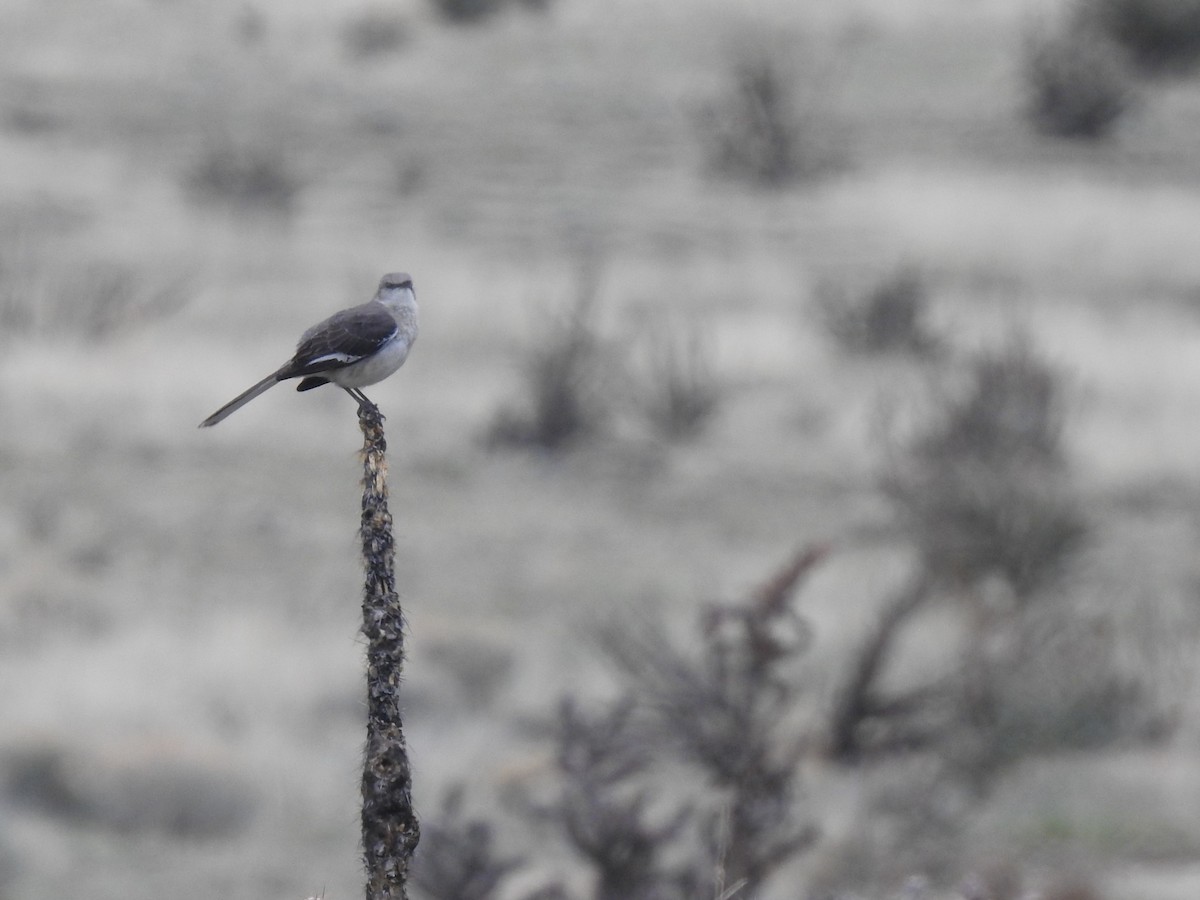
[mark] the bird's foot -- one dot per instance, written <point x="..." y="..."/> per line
<point x="366" y="409"/>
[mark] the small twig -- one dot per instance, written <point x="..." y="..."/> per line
<point x="390" y="831"/>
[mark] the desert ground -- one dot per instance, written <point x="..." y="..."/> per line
<point x="182" y="703"/>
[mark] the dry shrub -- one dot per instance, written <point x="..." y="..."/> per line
<point x="30" y="117"/>
<point x="574" y="381"/>
<point x="986" y="493"/>
<point x="676" y="392"/>
<point x="245" y="177"/>
<point x="771" y="124"/>
<point x="1061" y="688"/>
<point x="1072" y="887"/>
<point x="983" y="488"/>
<point x="90" y="298"/>
<point x="1078" y="83"/>
<point x="728" y="712"/>
<point x="1158" y="35"/>
<point x="911" y="833"/>
<point x="723" y="710"/>
<point x="138" y="790"/>
<point x="562" y="374"/>
<point x="467" y="11"/>
<point x="605" y="811"/>
<point x="477" y="669"/>
<point x="891" y="316"/>
<point x="251" y="25"/>
<point x="52" y="287"/>
<point x="374" y="32"/>
<point x="457" y="859"/>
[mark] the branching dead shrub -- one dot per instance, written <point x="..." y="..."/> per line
<point x="728" y="712"/>
<point x="722" y="714"/>
<point x="983" y="492"/>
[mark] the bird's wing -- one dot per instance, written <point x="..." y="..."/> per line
<point x="341" y="340"/>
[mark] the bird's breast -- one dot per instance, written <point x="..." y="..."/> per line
<point x="374" y="368"/>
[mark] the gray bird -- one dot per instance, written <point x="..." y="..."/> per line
<point x="353" y="348"/>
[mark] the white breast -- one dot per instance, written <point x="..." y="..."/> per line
<point x="374" y="368"/>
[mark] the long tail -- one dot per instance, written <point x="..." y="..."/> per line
<point x="241" y="400"/>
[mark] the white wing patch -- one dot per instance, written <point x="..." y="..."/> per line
<point x="340" y="358"/>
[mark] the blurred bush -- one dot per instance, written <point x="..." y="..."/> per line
<point x="54" y="287"/>
<point x="719" y="711"/>
<point x="457" y="859"/>
<point x="244" y="177"/>
<point x="134" y="788"/>
<point x="1078" y="83"/>
<point x="576" y="382"/>
<point x="468" y="11"/>
<point x="563" y="397"/>
<point x="675" y="389"/>
<point x="983" y="488"/>
<point x="477" y="669"/>
<point x="890" y="316"/>
<point x="374" y="32"/>
<point x="982" y="491"/>
<point x="1062" y="688"/>
<point x="92" y="298"/>
<point x="771" y="124"/>
<point x="1160" y="36"/>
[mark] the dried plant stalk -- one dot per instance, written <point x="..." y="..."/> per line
<point x="390" y="831"/>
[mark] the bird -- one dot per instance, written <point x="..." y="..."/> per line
<point x="353" y="348"/>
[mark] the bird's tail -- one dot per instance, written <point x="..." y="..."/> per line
<point x="241" y="400"/>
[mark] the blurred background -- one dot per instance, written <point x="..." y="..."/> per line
<point x="794" y="481"/>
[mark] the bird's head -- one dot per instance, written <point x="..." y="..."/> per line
<point x="396" y="289"/>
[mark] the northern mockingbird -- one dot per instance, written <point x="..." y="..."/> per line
<point x="352" y="348"/>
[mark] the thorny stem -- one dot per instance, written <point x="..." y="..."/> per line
<point x="390" y="831"/>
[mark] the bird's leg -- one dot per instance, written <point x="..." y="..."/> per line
<point x="359" y="397"/>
